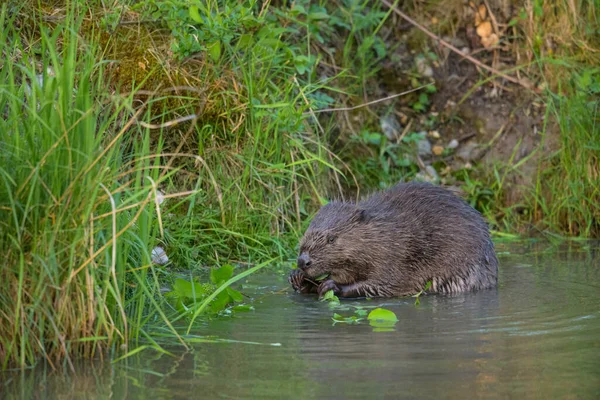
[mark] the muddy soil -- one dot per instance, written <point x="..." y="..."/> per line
<point x="493" y="124"/>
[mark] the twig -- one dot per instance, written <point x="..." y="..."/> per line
<point x="457" y="51"/>
<point x="365" y="104"/>
<point x="168" y="123"/>
<point x="165" y="90"/>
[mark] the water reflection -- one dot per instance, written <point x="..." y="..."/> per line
<point x="536" y="335"/>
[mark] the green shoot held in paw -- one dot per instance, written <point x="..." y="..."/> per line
<point x="330" y="296"/>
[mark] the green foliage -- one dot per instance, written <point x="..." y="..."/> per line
<point x="186" y="293"/>
<point x="382" y="320"/>
<point x="424" y="290"/>
<point x="77" y="216"/>
<point x="331" y="299"/>
<point x="353" y="319"/>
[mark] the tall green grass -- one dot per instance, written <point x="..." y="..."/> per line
<point x="567" y="192"/>
<point x="77" y="215"/>
<point x="79" y="210"/>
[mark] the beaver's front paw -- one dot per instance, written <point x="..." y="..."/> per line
<point x="298" y="281"/>
<point x="328" y="285"/>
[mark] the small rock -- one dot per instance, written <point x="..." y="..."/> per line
<point x="160" y="197"/>
<point x="457" y="42"/>
<point x="429" y="175"/>
<point x="390" y="126"/>
<point x="434" y="134"/>
<point x="403" y="119"/>
<point x="466" y="152"/>
<point x="468" y="165"/>
<point x="465" y="50"/>
<point x="450" y="104"/>
<point x="159" y="256"/>
<point x="437" y="150"/>
<point x="423" y="67"/>
<point x="423" y="146"/>
<point x="453" y="144"/>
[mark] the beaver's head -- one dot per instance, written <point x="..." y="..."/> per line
<point x="336" y="243"/>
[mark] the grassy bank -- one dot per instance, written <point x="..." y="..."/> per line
<point x="207" y="129"/>
<point x="85" y="163"/>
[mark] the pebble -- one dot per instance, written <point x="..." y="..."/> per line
<point x="390" y="126"/>
<point x="423" y="67"/>
<point x="429" y="175"/>
<point x="466" y="151"/>
<point x="424" y="147"/>
<point x="437" y="150"/>
<point x="434" y="134"/>
<point x="160" y="197"/>
<point x="159" y="256"/>
<point x="453" y="144"/>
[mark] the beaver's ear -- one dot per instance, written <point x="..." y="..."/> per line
<point x="361" y="215"/>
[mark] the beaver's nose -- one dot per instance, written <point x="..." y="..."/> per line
<point x="304" y="261"/>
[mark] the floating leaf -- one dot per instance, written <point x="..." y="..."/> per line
<point x="382" y="319"/>
<point x="219" y="275"/>
<point x="235" y="295"/>
<point x="337" y="318"/>
<point x="220" y="302"/>
<point x="381" y="314"/>
<point x="361" y="313"/>
<point x="191" y="290"/>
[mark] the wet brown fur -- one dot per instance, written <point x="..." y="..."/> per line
<point x="394" y="242"/>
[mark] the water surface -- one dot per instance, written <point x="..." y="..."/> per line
<point x="536" y="336"/>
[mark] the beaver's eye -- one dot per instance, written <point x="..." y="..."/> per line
<point x="330" y="239"/>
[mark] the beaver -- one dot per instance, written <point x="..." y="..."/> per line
<point x="394" y="242"/>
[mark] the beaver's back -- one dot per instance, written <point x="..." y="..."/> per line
<point x="428" y="233"/>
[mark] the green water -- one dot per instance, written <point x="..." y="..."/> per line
<point x="536" y="336"/>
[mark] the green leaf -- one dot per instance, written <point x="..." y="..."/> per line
<point x="214" y="50"/>
<point x="297" y="9"/>
<point x="374" y="138"/>
<point x="191" y="290"/>
<point x="319" y="15"/>
<point x="235" y="295"/>
<point x="538" y="10"/>
<point x="330" y="296"/>
<point x="220" y="301"/>
<point x="321" y="277"/>
<point x="382" y="315"/>
<point x="221" y="288"/>
<point x="245" y="41"/>
<point x="195" y="15"/>
<point x="219" y="275"/>
<point x="361" y="313"/>
<point x="430" y="89"/>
